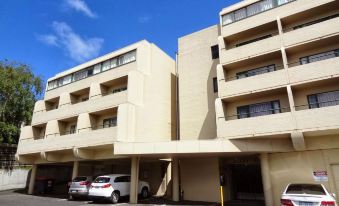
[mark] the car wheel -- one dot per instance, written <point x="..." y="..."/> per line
<point x="144" y="193"/>
<point x="115" y="197"/>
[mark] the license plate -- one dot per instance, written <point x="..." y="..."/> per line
<point x="306" y="203"/>
<point x="74" y="191"/>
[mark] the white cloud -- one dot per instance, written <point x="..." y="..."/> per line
<point x="144" y="19"/>
<point x="77" y="47"/>
<point x="81" y="6"/>
<point x="48" y="39"/>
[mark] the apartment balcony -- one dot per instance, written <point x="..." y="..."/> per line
<point x="95" y="104"/>
<point x="319" y="120"/>
<point x="255" y="49"/>
<point x="269" y="16"/>
<point x="267" y="81"/>
<point x="268" y="125"/>
<point x="315" y="71"/>
<point x="56" y="142"/>
<point x="311" y="33"/>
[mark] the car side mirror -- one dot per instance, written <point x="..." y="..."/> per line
<point x="333" y="195"/>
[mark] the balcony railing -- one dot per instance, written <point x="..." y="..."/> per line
<point x="317" y="105"/>
<point x="258" y="113"/>
<point x="315" y="58"/>
<point x="262" y="71"/>
<point x="311" y="23"/>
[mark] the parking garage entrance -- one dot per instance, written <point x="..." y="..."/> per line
<point x="243" y="181"/>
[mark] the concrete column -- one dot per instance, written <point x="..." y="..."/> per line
<point x="32" y="179"/>
<point x="168" y="179"/>
<point x="75" y="169"/>
<point x="84" y="123"/>
<point x="133" y="198"/>
<point x="290" y="98"/>
<point x="52" y="129"/>
<point x="175" y="179"/>
<point x="95" y="91"/>
<point x="266" y="179"/>
<point x="65" y="99"/>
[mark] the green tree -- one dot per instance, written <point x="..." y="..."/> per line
<point x="19" y="89"/>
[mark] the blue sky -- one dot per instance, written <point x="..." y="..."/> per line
<point x="55" y="35"/>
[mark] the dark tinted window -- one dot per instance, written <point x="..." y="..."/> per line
<point x="311" y="189"/>
<point x="215" y="84"/>
<point x="122" y="179"/>
<point x="80" y="179"/>
<point x="215" y="52"/>
<point x="101" y="180"/>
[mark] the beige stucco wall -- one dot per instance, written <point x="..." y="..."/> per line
<point x="297" y="167"/>
<point x="200" y="178"/>
<point x="196" y="96"/>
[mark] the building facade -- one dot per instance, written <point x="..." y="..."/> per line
<point x="258" y="105"/>
<point x="124" y="96"/>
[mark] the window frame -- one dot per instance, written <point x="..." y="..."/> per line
<point x="248" y="113"/>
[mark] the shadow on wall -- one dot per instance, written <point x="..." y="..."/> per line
<point x="209" y="129"/>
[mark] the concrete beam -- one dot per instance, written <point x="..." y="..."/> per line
<point x="32" y="179"/>
<point x="298" y="140"/>
<point x="175" y="179"/>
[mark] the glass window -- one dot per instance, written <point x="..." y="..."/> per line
<point x="126" y="58"/>
<point x="106" y="65"/>
<point x="97" y="69"/>
<point x="90" y="72"/>
<point x="215" y="52"/>
<point x="325" y="99"/>
<point x="215" y="84"/>
<point x="257" y="71"/>
<point x="102" y="180"/>
<point x="240" y="14"/>
<point x="79" y="75"/>
<point x="312" y="189"/>
<point x="114" y="62"/>
<point x="260" y="109"/>
<point x="319" y="57"/>
<point x="73" y="129"/>
<point x="313" y="101"/>
<point x="110" y="122"/>
<point x="228" y="18"/>
<point x="67" y="79"/>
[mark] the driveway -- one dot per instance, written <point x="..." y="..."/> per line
<point x="13" y="198"/>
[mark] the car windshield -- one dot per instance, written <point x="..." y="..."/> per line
<point x="101" y="180"/>
<point x="80" y="179"/>
<point x="311" y="189"/>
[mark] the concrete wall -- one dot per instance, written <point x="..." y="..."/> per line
<point x="297" y="167"/>
<point x="200" y="178"/>
<point x="15" y="179"/>
<point x="196" y="70"/>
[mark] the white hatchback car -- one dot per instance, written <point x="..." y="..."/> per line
<point x="112" y="187"/>
<point x="307" y="195"/>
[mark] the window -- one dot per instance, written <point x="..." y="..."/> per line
<point x="215" y="52"/>
<point x="106" y="65"/>
<point x="110" y="122"/>
<point x="215" y="84"/>
<point x="97" y="69"/>
<point x="251" y="10"/>
<point x="102" y="180"/>
<point x="80" y="75"/>
<point x="319" y="57"/>
<point x="311" y="189"/>
<point x="260" y="109"/>
<point x="73" y="129"/>
<point x="257" y="71"/>
<point x="122" y="179"/>
<point x="253" y="40"/>
<point x="323" y="99"/>
<point x="119" y="90"/>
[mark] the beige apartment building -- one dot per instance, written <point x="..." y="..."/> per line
<point x="258" y="104"/>
<point x="263" y="111"/>
<point x="125" y="96"/>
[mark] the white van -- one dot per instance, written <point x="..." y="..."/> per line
<point x="112" y="187"/>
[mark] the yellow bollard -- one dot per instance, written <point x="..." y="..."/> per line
<point x="222" y="195"/>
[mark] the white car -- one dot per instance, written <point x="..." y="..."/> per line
<point x="307" y="195"/>
<point x="112" y="187"/>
